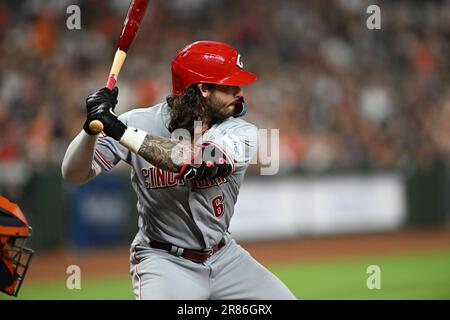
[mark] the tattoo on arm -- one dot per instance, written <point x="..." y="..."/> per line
<point x="165" y="153"/>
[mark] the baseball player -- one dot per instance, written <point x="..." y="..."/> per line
<point x="188" y="157"/>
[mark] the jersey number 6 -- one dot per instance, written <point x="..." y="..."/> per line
<point x="218" y="207"/>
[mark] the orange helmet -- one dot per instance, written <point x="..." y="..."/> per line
<point x="15" y="258"/>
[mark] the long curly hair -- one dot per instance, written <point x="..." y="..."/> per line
<point x="186" y="108"/>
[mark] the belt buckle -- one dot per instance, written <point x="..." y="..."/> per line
<point x="209" y="252"/>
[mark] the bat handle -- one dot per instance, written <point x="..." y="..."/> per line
<point x="96" y="126"/>
<point x="112" y="79"/>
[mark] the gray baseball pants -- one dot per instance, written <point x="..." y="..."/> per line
<point x="230" y="274"/>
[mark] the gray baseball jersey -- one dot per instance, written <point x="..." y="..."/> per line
<point x="188" y="214"/>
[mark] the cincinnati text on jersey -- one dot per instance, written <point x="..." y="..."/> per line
<point x="155" y="178"/>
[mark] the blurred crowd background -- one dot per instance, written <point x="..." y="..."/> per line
<point x="344" y="97"/>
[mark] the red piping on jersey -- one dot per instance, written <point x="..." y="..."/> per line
<point x="103" y="160"/>
<point x="139" y="283"/>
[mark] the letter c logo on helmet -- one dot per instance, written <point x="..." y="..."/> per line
<point x="208" y="62"/>
<point x="239" y="62"/>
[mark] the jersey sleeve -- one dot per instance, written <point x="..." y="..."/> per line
<point x="239" y="143"/>
<point x="108" y="152"/>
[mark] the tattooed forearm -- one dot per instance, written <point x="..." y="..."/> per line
<point x="165" y="153"/>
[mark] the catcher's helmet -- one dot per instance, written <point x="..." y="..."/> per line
<point x="15" y="258"/>
<point x="208" y="62"/>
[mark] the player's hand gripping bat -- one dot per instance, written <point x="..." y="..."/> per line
<point x="130" y="26"/>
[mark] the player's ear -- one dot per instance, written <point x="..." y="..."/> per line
<point x="204" y="89"/>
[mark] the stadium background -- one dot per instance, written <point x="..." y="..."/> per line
<point x="364" y="130"/>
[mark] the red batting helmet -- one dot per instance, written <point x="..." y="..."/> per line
<point x="208" y="62"/>
<point x="14" y="256"/>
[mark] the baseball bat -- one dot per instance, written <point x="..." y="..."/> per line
<point x="131" y="24"/>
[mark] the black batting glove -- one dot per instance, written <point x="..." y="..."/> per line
<point x="208" y="163"/>
<point x="100" y="106"/>
<point x="112" y="126"/>
<point x="98" y="102"/>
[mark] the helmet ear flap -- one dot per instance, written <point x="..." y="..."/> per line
<point x="240" y="108"/>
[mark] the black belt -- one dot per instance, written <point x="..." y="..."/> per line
<point x="193" y="255"/>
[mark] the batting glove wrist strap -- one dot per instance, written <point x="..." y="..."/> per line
<point x="114" y="128"/>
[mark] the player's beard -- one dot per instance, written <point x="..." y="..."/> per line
<point x="217" y="110"/>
